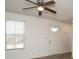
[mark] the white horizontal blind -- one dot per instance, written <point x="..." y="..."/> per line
<point x="14" y="34"/>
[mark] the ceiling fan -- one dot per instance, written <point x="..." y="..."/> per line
<point x="41" y="5"/>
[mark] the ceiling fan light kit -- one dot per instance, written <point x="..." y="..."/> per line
<point x="41" y="5"/>
<point x="40" y="8"/>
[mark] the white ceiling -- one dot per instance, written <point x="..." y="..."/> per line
<point x="64" y="9"/>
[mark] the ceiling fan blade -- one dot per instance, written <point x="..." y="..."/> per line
<point x="39" y="13"/>
<point x="48" y="9"/>
<point x="31" y="2"/>
<point x="49" y="3"/>
<point x="29" y="8"/>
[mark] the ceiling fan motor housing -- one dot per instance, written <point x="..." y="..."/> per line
<point x="40" y="2"/>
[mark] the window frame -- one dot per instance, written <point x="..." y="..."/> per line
<point x="9" y="19"/>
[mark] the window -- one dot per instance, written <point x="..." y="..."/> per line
<point x="14" y="34"/>
<point x="54" y="29"/>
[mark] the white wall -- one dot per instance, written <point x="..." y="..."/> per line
<point x="38" y="35"/>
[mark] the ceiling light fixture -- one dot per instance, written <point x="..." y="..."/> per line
<point x="40" y="8"/>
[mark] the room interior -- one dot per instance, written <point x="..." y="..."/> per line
<point x="39" y="29"/>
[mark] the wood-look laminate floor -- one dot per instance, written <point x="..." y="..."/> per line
<point x="59" y="56"/>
